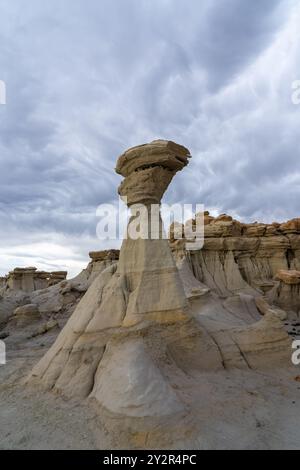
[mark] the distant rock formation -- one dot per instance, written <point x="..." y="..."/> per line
<point x="54" y="296"/>
<point x="286" y="292"/>
<point x="239" y="257"/>
<point x="30" y="279"/>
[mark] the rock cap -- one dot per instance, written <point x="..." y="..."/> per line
<point x="164" y="153"/>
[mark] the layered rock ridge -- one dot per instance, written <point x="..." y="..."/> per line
<point x="245" y="257"/>
<point x="30" y="279"/>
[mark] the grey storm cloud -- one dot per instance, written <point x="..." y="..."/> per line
<point x="86" y="80"/>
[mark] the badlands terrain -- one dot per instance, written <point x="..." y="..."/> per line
<point x="155" y="345"/>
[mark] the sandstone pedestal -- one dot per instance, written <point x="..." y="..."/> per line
<point x="106" y="351"/>
<point x="138" y="333"/>
<point x="156" y="291"/>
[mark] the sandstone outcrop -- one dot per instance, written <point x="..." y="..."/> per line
<point x="152" y="318"/>
<point x="244" y="257"/>
<point x="286" y="292"/>
<point x="291" y="277"/>
<point x="125" y="310"/>
<point x="56" y="298"/>
<point x="56" y="277"/>
<point x="24" y="316"/>
<point x="100" y="261"/>
<point x="30" y="279"/>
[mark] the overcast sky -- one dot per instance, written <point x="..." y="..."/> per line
<point x="86" y="79"/>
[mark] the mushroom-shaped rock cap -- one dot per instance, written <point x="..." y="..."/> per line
<point x="164" y="153"/>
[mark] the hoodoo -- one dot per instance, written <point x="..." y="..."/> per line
<point x="146" y="324"/>
<point x="113" y="348"/>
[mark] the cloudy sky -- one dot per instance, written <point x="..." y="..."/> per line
<point x="86" y="79"/>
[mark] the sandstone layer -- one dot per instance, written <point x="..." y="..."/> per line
<point x="30" y="279"/>
<point x="154" y="316"/>
<point x="239" y="257"/>
<point x="129" y="307"/>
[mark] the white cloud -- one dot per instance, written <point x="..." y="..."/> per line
<point x="82" y="87"/>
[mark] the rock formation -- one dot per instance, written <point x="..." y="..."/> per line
<point x="24" y="316"/>
<point x="238" y="256"/>
<point x="56" y="277"/>
<point x="146" y="323"/>
<point x="30" y="279"/>
<point x="100" y="261"/>
<point x="105" y="351"/>
<point x="286" y="292"/>
<point x="53" y="295"/>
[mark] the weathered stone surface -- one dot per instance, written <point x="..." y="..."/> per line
<point x="222" y="226"/>
<point x="288" y="277"/>
<point x="45" y="328"/>
<point x="104" y="255"/>
<point x="292" y="226"/>
<point x="223" y="218"/>
<point x="149" y="169"/>
<point x="146" y="186"/>
<point x="142" y="397"/>
<point x="161" y="153"/>
<point x="30" y="279"/>
<point x="152" y="318"/>
<point x="254" y="230"/>
<point x="257" y="252"/>
<point x="25" y="315"/>
<point x="265" y="308"/>
<point x="56" y="276"/>
<point x="286" y="291"/>
<point x="143" y="290"/>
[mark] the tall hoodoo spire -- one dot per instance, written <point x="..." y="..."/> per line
<point x="146" y="324"/>
<point x="101" y="353"/>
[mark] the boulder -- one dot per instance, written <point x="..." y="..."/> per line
<point x="25" y="315"/>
